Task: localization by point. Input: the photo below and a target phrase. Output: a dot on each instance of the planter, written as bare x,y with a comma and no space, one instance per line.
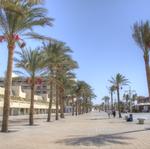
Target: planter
141,120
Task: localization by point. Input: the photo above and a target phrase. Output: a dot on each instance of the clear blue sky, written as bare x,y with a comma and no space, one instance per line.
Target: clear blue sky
100,34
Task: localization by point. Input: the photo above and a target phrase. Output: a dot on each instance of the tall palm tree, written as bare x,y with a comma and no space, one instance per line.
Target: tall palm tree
89,95
141,35
13,25
79,93
118,81
56,54
72,85
65,76
30,61
112,90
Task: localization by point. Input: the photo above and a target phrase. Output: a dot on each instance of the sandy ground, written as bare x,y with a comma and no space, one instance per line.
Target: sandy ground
89,131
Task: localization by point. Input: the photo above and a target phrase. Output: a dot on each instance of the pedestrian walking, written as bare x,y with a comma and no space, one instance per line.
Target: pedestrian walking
114,113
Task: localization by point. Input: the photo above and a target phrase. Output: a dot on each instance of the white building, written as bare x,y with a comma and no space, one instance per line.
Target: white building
20,97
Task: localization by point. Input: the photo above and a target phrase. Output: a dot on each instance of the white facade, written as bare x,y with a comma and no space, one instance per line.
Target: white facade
20,103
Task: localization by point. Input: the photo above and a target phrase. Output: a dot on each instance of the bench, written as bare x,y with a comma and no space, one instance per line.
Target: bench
141,120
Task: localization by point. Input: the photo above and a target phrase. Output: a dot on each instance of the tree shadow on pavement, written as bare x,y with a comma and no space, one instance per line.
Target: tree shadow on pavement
100,140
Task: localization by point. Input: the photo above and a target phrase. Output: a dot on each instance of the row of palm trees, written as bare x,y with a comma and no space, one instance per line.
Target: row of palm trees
54,64
52,61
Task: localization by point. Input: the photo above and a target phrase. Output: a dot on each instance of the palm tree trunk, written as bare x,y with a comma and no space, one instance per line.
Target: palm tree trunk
87,109
62,105
118,96
127,105
76,107
72,106
50,103
83,108
108,106
146,60
105,106
79,107
57,103
8,83
85,105
31,120
112,101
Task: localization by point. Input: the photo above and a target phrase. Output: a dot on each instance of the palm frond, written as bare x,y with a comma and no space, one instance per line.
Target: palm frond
33,35
30,61
20,17
141,34
119,80
19,72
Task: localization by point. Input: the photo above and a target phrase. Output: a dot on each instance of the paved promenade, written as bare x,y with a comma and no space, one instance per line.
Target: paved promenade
89,131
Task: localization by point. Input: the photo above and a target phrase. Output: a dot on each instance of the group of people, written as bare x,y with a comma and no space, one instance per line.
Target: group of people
111,112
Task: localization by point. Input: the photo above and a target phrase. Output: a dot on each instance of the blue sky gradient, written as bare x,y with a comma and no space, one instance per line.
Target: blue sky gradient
100,34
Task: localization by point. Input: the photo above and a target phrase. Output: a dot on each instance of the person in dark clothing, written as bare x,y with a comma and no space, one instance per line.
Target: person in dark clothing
130,118
114,113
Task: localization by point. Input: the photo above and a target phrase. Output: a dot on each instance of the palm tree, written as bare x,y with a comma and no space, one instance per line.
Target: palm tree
72,90
88,95
88,99
106,101
12,25
65,76
118,81
51,99
112,90
84,96
141,35
79,93
31,62
56,55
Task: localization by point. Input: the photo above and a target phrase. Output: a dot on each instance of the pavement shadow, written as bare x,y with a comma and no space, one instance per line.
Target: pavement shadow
100,140
11,131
